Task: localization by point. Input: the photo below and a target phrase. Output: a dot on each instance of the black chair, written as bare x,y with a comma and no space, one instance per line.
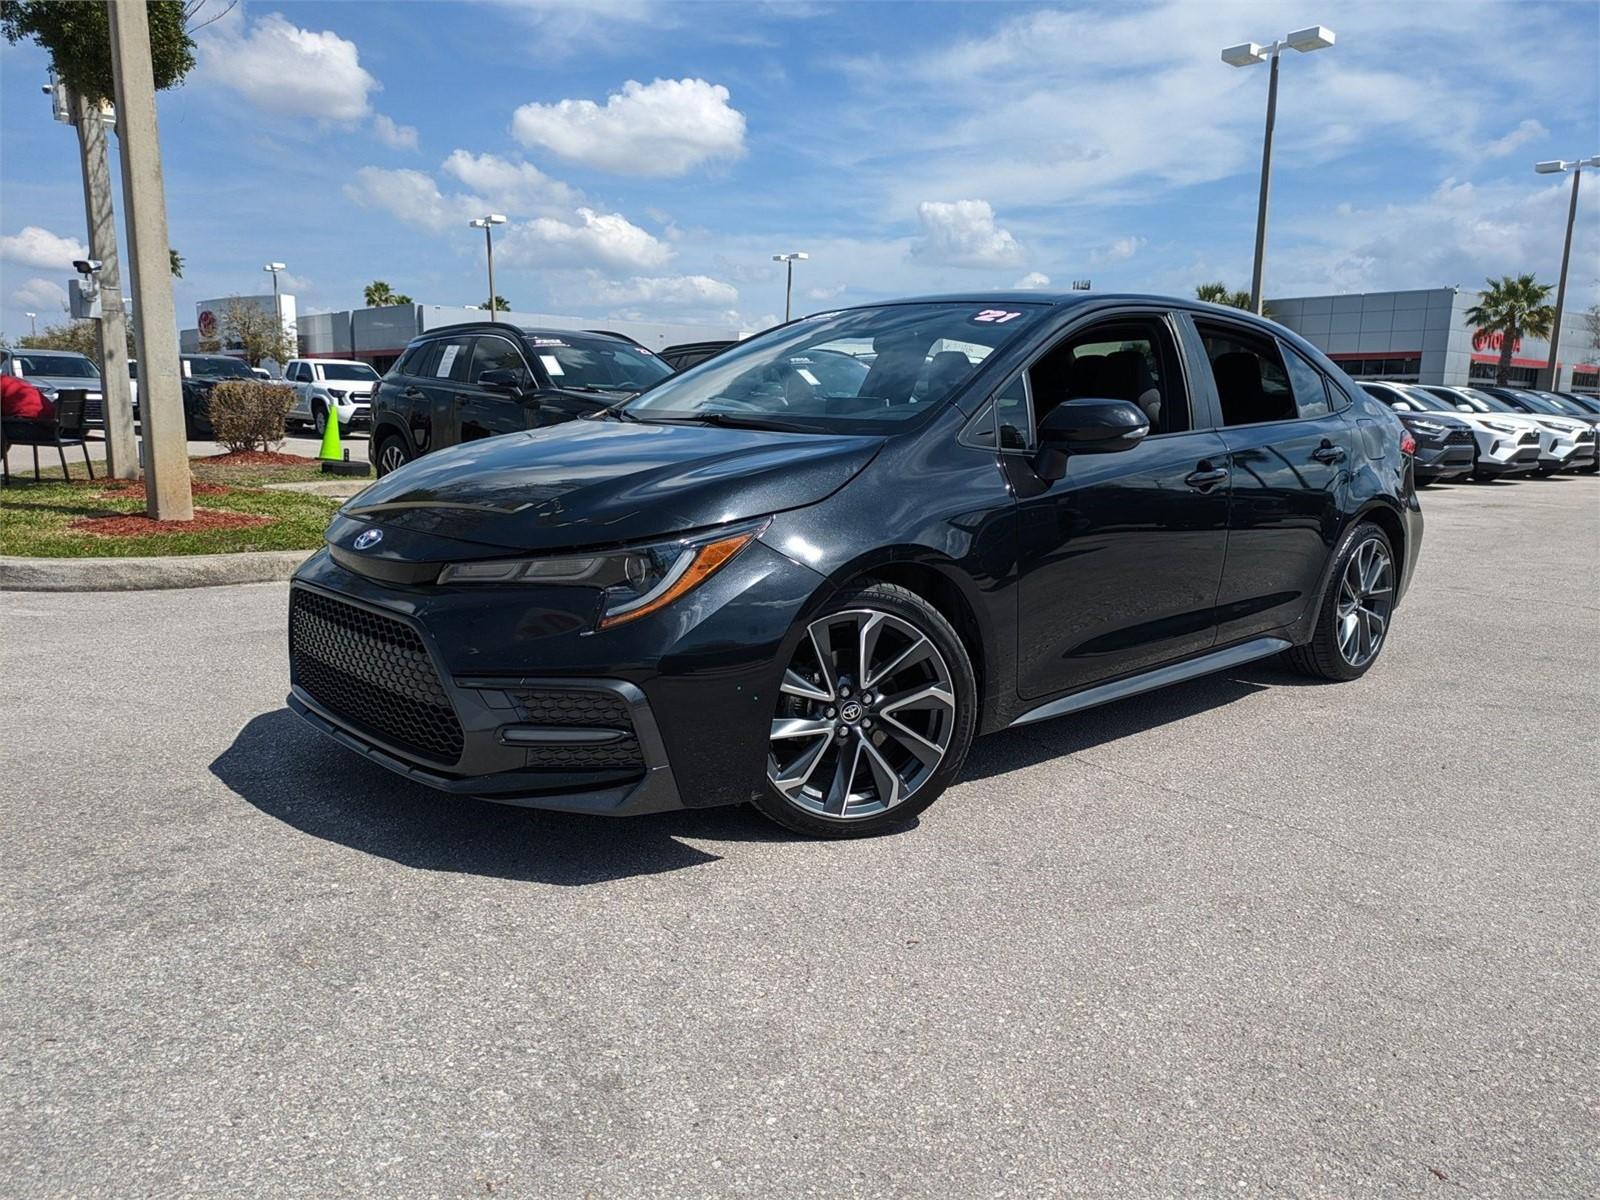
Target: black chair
63,430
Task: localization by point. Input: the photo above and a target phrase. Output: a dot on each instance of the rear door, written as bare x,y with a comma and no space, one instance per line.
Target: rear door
1289,461
482,412
1120,559
441,386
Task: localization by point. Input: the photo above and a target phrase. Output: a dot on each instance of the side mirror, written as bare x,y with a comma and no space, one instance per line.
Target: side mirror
1086,427
509,382
1465,408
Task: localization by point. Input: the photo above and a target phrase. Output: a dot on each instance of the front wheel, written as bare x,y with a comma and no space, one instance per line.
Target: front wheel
875,714
319,417
391,455
1357,606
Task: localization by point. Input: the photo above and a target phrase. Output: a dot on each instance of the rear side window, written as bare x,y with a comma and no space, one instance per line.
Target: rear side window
1310,388
1252,382
450,360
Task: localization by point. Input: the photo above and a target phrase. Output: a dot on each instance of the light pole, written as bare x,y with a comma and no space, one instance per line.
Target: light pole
788,290
277,305
1548,373
33,325
1247,54
487,224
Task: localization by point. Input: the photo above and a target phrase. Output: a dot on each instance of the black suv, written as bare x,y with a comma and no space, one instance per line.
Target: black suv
463,382
734,588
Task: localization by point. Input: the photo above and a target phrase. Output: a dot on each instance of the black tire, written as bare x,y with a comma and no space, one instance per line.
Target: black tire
390,447
906,610
1322,657
319,417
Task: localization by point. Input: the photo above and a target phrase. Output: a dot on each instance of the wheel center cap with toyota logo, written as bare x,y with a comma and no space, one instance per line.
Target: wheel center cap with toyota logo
367,539
851,712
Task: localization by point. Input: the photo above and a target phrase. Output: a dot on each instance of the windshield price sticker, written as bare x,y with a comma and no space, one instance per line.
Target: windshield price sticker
547,341
995,316
551,364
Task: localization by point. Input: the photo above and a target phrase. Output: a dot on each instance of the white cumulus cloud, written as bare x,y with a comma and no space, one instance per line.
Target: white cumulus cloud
396,137
1033,281
40,296
1121,248
283,69
1526,131
668,291
517,186
662,128
37,247
593,239
963,233
412,196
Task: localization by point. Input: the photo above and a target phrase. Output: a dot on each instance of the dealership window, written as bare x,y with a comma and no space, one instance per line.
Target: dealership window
1586,379
1526,377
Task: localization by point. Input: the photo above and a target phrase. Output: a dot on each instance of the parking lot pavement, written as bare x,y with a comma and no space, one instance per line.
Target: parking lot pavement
19,459
1246,936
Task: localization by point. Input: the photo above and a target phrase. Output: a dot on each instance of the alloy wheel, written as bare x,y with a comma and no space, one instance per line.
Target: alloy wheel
1366,600
866,715
391,457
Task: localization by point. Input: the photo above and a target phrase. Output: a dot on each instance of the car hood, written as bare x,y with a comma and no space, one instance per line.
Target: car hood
63,382
361,388
596,482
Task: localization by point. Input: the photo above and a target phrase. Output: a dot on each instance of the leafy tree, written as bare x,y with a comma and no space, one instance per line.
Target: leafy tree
1512,307
176,261
1591,322
78,37
80,336
255,330
498,303
1218,293
379,294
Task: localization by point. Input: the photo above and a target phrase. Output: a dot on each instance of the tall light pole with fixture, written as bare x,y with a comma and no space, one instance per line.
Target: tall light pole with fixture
277,305
1548,373
33,325
487,224
788,290
1247,54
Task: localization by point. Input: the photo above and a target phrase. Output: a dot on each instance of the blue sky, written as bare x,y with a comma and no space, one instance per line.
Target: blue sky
653,156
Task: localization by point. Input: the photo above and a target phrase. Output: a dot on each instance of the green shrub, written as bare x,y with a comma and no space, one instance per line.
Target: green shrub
248,415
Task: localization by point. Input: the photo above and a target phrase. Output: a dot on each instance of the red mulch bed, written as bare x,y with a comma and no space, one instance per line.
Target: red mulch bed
139,525
126,487
259,458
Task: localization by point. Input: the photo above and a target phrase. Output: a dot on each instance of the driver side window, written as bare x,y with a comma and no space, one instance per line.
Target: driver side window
496,354
1130,359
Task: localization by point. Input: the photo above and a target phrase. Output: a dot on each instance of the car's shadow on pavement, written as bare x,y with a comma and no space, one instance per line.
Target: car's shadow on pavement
291,772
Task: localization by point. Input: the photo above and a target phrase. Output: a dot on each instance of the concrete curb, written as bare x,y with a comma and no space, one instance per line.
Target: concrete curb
146,574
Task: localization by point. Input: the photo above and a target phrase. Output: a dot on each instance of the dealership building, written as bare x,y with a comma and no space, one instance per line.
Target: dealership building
1424,337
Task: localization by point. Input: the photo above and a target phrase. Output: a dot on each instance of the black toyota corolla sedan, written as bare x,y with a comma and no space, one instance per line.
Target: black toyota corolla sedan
811,589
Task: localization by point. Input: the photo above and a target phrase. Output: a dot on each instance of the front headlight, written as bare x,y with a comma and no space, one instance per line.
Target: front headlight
1500,426
1556,426
634,582
338,394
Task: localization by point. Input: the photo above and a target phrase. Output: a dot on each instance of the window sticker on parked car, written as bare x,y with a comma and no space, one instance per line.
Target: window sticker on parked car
995,316
551,364
447,360
547,341
807,376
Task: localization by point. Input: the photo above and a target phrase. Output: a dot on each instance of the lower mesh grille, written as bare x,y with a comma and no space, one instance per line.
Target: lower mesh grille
585,709
372,671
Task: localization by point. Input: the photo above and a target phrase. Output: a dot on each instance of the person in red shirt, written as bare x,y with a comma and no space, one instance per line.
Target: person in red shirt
21,401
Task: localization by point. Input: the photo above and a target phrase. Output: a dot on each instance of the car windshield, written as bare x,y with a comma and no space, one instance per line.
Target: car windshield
353,371
220,367
863,370
573,362
62,366
1483,402
1586,404
1428,401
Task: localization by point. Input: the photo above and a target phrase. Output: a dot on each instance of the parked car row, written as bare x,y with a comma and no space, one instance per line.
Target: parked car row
1493,432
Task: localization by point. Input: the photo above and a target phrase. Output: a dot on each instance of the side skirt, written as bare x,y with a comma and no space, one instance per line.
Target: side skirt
1121,689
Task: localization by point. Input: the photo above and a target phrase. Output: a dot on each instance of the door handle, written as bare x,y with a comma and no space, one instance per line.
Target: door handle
1328,453
1206,477
411,393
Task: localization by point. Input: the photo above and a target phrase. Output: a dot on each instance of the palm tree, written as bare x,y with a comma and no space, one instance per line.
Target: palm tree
1511,308
498,303
1218,293
379,294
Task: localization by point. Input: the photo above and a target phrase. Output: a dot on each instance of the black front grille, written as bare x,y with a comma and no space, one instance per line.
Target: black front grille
372,671
1528,439
573,707
1460,437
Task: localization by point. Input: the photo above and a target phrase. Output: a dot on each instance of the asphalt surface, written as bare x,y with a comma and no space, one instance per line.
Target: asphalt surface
1246,937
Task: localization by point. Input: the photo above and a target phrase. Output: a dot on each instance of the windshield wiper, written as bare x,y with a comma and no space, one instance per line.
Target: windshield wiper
726,420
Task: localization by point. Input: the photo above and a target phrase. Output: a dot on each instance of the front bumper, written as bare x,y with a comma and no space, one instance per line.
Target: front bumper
698,682
1443,460
354,415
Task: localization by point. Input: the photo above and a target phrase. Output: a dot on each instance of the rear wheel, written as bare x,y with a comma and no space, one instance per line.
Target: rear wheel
391,454
1353,621
876,712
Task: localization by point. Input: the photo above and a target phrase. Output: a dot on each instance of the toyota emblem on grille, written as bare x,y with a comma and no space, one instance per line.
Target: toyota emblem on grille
368,538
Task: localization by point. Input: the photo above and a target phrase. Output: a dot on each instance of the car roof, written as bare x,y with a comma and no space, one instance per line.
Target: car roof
30,350
530,331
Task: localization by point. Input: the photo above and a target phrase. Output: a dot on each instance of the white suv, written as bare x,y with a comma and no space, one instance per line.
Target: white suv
324,385
1564,442
1504,446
